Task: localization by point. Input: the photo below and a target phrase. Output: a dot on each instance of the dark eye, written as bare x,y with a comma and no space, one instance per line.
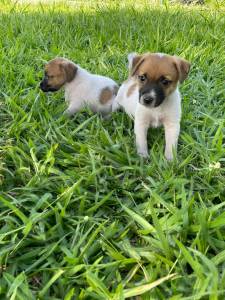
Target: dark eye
165,81
142,78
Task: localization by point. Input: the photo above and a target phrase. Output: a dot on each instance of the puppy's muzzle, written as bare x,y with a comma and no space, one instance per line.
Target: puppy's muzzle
46,88
43,86
147,99
151,95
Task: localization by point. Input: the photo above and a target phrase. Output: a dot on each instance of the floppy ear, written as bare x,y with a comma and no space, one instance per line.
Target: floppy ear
130,58
70,70
183,68
134,61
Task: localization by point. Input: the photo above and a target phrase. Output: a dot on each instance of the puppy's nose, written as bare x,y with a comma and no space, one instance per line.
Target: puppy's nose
43,86
147,99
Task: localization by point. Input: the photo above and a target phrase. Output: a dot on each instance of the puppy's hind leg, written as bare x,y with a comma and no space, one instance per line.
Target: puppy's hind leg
73,108
106,115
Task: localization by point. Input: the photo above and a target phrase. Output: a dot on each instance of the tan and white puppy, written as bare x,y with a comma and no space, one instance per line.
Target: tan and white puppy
151,96
81,87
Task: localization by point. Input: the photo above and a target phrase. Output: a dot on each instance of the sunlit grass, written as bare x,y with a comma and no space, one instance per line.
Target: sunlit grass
81,215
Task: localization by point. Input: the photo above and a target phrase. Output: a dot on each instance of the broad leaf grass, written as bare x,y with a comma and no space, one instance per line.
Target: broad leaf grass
81,215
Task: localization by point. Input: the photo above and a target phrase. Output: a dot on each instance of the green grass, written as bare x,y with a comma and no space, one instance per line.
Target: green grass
81,215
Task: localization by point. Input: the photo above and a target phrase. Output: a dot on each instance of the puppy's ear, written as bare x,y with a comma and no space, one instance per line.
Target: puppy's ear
134,61
183,68
70,70
130,58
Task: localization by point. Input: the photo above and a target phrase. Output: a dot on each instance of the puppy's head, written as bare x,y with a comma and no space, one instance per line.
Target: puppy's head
57,72
157,75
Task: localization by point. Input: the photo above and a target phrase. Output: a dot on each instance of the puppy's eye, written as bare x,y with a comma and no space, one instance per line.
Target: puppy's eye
165,81
142,78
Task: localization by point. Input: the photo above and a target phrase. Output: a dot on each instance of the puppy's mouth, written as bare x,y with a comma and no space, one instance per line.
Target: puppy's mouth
46,88
151,98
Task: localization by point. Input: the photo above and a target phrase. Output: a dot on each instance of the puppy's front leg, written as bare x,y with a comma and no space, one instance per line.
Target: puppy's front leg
141,129
172,130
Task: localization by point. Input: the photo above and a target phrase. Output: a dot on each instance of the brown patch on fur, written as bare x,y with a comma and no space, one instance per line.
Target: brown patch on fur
155,67
70,69
106,95
59,71
131,89
183,67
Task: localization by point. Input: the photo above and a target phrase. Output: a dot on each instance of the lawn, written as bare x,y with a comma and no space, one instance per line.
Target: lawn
81,215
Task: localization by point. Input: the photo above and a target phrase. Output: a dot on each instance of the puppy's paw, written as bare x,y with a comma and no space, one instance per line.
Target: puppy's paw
169,155
143,153
68,113
106,116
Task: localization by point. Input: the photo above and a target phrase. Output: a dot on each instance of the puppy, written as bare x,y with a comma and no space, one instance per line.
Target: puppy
151,96
81,87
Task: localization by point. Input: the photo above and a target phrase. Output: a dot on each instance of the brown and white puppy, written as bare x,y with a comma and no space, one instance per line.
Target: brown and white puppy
151,96
81,87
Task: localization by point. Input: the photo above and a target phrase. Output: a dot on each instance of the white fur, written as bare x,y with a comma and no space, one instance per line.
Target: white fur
152,94
160,54
167,114
130,59
85,89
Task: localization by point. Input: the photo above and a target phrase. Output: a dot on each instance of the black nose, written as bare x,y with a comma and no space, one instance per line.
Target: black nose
43,86
147,99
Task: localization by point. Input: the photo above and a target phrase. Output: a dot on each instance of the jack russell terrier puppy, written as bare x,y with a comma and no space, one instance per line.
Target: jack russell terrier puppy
81,87
151,96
